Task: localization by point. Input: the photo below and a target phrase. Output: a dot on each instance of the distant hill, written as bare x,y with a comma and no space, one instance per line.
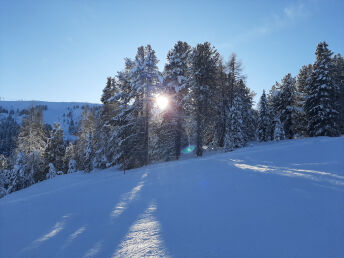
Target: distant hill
66,113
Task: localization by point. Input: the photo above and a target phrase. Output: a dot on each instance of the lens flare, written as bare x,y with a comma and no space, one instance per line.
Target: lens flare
161,102
188,149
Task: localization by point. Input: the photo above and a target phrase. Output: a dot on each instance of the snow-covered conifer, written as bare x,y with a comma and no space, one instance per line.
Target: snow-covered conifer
175,88
203,69
264,121
72,166
338,62
278,130
302,84
52,171
288,106
322,101
55,148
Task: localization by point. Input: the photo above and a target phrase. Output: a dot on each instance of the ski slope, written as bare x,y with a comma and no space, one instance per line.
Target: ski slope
281,199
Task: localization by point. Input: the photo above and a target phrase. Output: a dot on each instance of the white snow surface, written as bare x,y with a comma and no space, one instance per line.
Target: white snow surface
282,199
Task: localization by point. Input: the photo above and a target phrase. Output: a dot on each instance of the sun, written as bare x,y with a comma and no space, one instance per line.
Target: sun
161,101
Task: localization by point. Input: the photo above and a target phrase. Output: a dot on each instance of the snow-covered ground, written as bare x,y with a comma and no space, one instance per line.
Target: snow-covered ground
269,200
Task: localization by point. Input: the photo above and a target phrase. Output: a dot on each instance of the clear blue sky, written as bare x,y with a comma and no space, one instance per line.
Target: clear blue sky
64,50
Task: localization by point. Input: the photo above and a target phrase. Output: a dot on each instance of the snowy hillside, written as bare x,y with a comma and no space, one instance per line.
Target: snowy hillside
62,112
269,200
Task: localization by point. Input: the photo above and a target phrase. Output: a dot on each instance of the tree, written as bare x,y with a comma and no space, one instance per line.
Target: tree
3,176
204,60
69,155
264,122
9,130
287,106
23,172
302,84
89,153
235,130
176,88
109,90
87,128
52,171
338,63
144,80
223,103
72,166
278,130
55,148
32,141
322,104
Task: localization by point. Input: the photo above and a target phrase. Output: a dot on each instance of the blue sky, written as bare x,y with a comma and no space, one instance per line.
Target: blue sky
64,50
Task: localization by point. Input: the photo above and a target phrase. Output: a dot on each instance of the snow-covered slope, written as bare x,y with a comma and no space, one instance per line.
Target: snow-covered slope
62,112
269,200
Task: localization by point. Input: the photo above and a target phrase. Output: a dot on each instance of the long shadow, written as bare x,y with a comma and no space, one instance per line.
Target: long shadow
86,220
110,230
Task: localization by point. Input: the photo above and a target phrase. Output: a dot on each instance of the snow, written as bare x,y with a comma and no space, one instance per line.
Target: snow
283,199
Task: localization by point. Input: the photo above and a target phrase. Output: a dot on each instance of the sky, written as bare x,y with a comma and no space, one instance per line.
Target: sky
65,50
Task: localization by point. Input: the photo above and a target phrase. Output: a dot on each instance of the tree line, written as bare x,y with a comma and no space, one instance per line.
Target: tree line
210,107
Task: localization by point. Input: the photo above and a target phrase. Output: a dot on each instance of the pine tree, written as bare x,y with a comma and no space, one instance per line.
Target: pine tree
264,121
278,130
126,137
338,63
23,172
175,88
288,106
203,70
52,171
55,148
302,83
3,176
72,166
247,113
32,143
144,80
235,130
89,153
322,104
223,103
87,128
9,130
108,91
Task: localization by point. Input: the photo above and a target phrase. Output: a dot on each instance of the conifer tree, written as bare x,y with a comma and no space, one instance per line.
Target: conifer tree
68,157
287,107
223,103
278,130
55,148
51,172
338,62
302,83
235,130
144,80
89,153
32,141
9,130
203,69
264,121
176,89
322,104
87,128
3,176
128,135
